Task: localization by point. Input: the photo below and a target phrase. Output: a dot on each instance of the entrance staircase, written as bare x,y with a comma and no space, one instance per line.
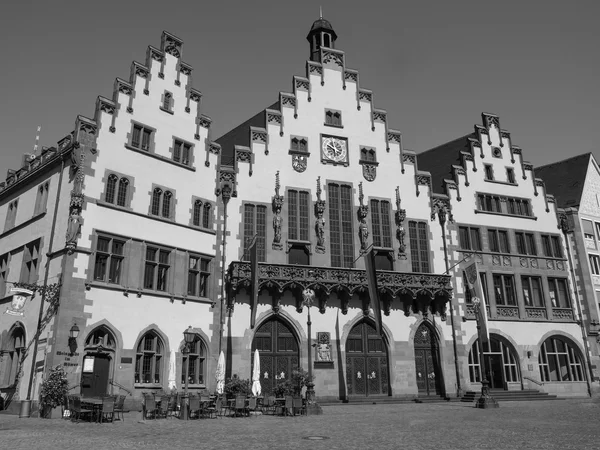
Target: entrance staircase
509,396
375,400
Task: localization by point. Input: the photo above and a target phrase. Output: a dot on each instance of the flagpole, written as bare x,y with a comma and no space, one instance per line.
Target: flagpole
486,400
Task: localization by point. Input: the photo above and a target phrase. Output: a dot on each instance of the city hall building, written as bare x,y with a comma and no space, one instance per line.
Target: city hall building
139,224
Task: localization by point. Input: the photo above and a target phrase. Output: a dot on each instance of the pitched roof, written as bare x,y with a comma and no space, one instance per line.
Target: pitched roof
439,160
565,179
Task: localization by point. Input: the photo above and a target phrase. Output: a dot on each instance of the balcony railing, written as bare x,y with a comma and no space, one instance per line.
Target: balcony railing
417,291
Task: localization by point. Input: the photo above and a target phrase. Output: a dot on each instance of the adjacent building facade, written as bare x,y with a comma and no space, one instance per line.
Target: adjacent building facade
138,225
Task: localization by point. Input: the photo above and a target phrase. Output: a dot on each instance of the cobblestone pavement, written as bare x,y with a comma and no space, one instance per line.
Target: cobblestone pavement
567,424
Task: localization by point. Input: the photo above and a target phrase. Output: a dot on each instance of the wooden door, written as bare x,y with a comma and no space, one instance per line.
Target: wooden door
94,383
427,361
366,362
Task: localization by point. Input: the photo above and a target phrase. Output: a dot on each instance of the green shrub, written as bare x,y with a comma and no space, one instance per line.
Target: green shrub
236,386
54,388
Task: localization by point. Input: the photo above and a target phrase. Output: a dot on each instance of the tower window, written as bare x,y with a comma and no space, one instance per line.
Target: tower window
333,118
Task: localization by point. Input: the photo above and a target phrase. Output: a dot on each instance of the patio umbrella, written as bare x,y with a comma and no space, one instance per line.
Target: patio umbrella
256,375
172,376
220,374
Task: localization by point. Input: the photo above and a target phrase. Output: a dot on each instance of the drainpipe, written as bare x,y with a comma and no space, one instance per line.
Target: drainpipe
46,275
442,218
225,196
564,226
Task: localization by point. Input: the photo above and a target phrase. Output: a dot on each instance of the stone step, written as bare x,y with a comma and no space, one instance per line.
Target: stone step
508,396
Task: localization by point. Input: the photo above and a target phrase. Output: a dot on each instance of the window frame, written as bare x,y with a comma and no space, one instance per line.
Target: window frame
201,282
41,200
594,261
157,207
250,227
341,221
419,254
4,272
157,354
199,368
27,274
110,258
527,283
299,144
554,293
495,242
167,101
574,369
488,172
333,118
510,175
526,243
502,298
11,215
142,128
470,233
178,151
158,265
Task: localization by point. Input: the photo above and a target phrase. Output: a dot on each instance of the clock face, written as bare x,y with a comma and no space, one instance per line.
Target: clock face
334,149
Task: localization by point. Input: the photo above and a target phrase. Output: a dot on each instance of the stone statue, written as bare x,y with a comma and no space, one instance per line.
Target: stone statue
73,227
323,352
363,234
320,231
277,221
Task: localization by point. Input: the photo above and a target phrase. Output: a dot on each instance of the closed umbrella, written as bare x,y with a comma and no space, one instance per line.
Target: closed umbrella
256,375
172,375
220,374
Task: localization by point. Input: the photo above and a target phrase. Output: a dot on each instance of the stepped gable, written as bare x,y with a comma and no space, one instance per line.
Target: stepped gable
245,133
566,179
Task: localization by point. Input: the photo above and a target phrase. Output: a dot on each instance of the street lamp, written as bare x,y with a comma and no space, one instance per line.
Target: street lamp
308,296
486,400
189,336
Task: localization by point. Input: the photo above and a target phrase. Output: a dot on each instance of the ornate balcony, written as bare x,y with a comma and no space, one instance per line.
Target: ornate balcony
415,292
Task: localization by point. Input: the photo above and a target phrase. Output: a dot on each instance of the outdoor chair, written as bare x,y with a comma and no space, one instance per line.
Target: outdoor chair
240,405
164,406
214,411
194,411
149,406
289,405
119,407
252,405
172,409
78,411
204,404
268,405
298,406
108,408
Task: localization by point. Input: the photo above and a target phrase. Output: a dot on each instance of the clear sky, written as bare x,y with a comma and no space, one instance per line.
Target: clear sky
433,65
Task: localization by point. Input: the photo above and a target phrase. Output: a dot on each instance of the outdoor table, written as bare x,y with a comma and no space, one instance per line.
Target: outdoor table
96,404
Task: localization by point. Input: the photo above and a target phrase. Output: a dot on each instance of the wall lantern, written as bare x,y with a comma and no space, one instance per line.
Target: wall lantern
74,332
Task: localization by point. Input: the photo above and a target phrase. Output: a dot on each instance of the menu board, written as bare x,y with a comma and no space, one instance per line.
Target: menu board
88,364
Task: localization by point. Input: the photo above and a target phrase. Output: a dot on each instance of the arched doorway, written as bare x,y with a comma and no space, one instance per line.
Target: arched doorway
278,349
500,362
100,348
427,361
366,362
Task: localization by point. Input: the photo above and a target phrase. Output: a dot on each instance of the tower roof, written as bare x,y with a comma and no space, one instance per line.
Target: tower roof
321,25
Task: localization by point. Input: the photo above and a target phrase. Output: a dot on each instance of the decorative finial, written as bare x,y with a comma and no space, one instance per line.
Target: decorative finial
360,194
320,12
277,186
398,197
319,188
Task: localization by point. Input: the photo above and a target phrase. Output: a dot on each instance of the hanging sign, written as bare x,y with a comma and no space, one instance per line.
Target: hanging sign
19,299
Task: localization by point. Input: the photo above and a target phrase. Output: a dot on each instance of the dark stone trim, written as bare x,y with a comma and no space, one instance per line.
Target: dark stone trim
477,211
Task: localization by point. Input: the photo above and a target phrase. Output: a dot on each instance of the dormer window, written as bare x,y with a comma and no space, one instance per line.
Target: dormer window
333,118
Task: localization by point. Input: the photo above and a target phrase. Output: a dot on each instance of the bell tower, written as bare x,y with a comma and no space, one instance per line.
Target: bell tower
320,35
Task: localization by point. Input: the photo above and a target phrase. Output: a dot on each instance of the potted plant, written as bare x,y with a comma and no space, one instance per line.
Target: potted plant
236,386
53,390
294,385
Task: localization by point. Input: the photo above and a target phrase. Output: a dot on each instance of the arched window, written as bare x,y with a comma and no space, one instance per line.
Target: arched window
149,358
206,215
197,368
560,360
156,201
13,354
101,337
122,194
166,207
197,212
501,365
111,184
167,100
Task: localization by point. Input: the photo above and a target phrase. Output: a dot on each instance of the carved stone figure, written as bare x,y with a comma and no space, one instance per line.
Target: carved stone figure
320,231
363,234
277,221
323,352
73,228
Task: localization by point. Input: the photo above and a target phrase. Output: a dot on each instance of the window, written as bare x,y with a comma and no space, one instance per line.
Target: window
333,118
367,154
198,273
156,269
167,101
298,254
518,207
116,189
380,220
101,337
595,264
504,290
489,171
489,203
148,361
552,246
11,364
470,238
41,200
341,238
197,363
525,243
11,215
588,229
560,360
498,240
182,152
298,144
559,296
3,274
206,215
109,258
255,223
419,250
596,223
31,255
532,291
141,137
510,175
161,203
197,213
298,215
